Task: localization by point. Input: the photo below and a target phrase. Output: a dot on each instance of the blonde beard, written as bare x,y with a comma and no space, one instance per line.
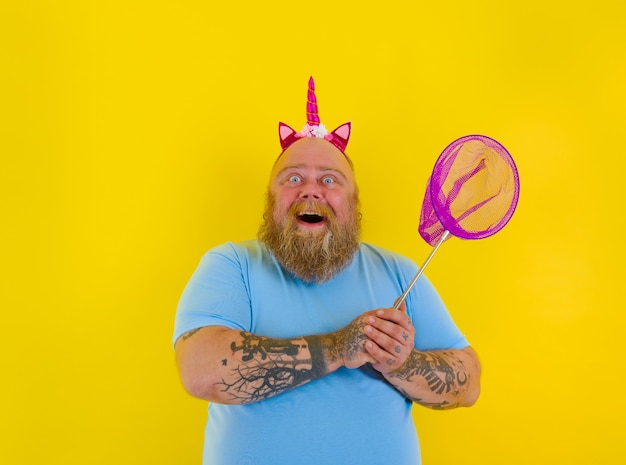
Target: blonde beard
313,256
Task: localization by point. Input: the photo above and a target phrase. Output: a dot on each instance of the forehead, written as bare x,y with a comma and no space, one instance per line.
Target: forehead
314,154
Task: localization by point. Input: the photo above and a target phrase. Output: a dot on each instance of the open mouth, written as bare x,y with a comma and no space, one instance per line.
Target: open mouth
310,218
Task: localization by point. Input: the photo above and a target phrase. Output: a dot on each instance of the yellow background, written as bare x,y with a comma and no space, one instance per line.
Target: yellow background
135,135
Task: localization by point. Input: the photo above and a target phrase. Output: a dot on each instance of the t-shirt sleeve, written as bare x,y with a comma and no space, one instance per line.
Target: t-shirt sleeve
434,326
216,294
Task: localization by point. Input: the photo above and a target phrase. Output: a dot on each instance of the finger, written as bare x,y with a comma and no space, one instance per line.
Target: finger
403,334
395,317
391,345
383,360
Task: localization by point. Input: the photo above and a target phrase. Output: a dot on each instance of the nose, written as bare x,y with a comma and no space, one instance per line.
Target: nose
310,191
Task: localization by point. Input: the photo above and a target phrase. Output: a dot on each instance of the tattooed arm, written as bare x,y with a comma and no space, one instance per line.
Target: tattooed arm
438,379
236,367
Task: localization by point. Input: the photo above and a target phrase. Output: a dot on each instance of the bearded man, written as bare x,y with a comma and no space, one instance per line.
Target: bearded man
291,337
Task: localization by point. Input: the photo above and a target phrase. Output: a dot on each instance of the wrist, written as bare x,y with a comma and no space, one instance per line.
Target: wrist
325,357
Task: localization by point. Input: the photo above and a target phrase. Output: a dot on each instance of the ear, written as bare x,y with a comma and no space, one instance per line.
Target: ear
341,135
286,135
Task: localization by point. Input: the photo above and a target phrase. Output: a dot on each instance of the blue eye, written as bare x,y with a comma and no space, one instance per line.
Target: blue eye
328,180
295,178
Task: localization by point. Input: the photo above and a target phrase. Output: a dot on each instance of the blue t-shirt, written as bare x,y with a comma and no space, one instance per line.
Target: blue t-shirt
351,416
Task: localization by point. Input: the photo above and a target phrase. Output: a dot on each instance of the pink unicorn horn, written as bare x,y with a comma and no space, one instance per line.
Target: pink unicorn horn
312,118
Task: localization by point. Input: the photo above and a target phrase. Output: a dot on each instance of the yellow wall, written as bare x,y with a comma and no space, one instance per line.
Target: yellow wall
134,135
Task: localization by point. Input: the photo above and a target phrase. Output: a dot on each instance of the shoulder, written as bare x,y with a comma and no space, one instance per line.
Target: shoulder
245,257
240,251
375,253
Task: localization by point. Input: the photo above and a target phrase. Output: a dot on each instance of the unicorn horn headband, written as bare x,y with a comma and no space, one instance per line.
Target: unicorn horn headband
313,128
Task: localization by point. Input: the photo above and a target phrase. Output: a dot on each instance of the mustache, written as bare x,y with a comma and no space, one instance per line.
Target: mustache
299,209
316,208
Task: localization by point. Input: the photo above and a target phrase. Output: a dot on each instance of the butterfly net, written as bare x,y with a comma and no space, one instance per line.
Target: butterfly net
472,192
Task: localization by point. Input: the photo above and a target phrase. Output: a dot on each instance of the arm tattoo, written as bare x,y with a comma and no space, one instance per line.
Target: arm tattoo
444,373
351,338
270,366
253,345
443,405
188,334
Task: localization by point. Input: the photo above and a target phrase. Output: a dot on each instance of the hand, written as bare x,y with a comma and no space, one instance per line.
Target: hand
390,336
348,344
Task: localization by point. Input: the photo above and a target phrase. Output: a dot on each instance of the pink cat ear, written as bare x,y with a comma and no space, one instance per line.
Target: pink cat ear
340,136
286,134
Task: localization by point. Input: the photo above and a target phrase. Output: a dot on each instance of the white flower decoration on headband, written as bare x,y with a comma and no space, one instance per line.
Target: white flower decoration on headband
313,131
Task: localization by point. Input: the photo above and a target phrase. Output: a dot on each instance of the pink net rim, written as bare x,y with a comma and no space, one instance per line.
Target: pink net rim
440,172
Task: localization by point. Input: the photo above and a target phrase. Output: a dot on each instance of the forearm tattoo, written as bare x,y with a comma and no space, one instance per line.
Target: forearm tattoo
266,367
444,373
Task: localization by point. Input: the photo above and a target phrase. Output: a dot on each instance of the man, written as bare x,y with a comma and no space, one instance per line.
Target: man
291,337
